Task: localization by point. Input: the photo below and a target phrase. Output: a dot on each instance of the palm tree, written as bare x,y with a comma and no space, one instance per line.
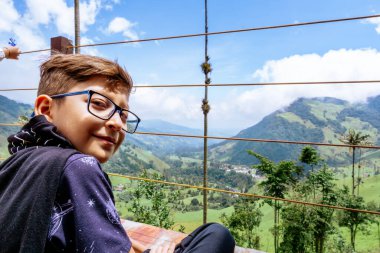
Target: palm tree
355,139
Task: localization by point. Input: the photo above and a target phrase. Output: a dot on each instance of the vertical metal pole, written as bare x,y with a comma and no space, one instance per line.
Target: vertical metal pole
205,108
77,26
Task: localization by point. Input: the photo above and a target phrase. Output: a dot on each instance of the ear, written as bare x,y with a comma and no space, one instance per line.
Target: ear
43,106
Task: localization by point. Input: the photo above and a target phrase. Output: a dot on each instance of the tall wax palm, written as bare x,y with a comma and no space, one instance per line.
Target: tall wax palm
354,138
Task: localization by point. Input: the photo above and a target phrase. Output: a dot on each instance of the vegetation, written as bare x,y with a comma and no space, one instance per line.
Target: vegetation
355,138
244,222
316,120
279,178
158,211
354,221
306,228
298,228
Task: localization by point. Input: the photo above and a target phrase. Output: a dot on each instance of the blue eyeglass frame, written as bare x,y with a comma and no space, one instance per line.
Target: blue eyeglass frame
118,109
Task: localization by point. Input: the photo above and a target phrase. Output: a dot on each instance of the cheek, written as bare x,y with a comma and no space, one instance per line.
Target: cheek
122,136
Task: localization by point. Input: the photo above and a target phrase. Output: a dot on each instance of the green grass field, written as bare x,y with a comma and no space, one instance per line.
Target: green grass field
366,241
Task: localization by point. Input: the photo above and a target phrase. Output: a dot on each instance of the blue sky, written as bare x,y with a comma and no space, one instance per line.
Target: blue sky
339,51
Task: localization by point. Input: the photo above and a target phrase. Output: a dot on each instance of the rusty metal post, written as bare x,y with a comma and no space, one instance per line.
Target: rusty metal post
61,45
77,26
206,68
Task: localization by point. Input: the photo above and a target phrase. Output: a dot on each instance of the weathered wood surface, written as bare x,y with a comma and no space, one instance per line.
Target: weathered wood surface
149,235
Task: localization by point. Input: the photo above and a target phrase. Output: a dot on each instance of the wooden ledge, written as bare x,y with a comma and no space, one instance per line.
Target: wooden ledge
149,235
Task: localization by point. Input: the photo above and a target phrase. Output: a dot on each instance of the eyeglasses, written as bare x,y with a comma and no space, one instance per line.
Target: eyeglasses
104,108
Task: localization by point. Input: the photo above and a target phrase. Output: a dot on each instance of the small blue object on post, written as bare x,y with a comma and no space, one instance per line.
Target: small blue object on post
12,42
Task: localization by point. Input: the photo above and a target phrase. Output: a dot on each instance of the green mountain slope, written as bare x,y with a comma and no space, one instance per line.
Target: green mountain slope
313,120
10,111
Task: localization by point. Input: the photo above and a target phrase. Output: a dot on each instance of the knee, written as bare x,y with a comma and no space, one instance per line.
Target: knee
221,234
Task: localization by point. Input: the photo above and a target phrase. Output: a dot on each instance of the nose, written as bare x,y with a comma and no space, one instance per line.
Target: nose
115,122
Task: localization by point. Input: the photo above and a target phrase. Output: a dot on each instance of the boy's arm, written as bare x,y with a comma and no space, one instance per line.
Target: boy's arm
93,222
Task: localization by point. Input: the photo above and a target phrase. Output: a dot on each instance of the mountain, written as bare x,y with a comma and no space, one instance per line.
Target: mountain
164,145
314,120
137,151
10,111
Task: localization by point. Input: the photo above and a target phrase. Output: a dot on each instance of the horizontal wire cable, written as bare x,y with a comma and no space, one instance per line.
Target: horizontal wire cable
220,32
256,84
230,31
241,139
233,84
18,89
35,51
260,140
244,194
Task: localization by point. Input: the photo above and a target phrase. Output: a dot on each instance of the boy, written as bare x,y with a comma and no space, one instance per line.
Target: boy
54,197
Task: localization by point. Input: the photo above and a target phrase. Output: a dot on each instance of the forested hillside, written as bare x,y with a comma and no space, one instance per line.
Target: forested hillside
313,120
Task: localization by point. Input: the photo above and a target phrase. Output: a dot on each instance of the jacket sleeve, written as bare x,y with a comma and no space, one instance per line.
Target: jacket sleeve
92,223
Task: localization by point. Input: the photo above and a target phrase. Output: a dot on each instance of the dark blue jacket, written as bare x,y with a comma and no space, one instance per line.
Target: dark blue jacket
53,199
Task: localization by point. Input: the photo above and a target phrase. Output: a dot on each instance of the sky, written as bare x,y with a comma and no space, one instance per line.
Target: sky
326,52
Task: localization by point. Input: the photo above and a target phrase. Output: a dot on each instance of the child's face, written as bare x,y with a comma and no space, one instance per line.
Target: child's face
89,134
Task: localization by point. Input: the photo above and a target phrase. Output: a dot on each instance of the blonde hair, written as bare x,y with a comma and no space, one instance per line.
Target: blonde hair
61,72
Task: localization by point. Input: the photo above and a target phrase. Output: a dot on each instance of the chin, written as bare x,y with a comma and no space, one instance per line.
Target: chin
102,159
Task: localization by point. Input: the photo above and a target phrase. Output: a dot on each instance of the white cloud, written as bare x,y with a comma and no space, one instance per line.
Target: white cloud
375,21
8,15
57,11
108,7
89,50
29,39
88,12
20,74
124,26
26,27
13,24
251,106
156,103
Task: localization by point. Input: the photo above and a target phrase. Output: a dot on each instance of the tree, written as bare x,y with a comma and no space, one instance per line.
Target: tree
297,227
157,211
354,221
323,182
244,222
305,228
309,156
195,202
354,138
375,219
279,177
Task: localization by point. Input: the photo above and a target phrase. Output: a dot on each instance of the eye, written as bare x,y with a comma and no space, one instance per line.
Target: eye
99,103
124,116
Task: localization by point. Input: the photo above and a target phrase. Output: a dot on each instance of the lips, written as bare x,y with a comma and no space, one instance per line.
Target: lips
107,138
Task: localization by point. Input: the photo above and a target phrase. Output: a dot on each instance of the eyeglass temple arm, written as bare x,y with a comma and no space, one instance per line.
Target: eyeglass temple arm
70,94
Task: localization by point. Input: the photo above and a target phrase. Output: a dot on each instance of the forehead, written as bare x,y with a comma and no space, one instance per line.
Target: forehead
119,95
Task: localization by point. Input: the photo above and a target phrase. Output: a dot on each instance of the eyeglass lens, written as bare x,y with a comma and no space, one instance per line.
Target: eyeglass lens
104,108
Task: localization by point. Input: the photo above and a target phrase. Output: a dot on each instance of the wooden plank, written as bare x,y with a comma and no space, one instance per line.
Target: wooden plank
150,236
